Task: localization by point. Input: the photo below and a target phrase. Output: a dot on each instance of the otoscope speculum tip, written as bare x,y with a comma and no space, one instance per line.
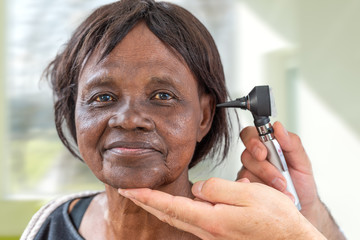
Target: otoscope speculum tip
238,103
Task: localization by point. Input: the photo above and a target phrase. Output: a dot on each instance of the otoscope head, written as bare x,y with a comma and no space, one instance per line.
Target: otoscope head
259,102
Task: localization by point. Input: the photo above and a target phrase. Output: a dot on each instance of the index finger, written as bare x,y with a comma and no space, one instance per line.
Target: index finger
249,136
248,133
175,207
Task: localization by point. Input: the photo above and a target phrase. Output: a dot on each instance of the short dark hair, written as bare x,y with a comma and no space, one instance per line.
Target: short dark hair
173,25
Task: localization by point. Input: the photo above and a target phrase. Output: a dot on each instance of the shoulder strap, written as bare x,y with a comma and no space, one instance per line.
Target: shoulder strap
40,217
78,211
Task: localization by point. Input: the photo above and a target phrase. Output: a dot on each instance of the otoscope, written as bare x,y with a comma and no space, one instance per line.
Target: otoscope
261,104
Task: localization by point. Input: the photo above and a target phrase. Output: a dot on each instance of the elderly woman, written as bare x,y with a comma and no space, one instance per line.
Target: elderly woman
136,88
135,93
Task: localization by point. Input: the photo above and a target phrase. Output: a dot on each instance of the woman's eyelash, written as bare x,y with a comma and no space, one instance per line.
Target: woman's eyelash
102,98
106,98
163,96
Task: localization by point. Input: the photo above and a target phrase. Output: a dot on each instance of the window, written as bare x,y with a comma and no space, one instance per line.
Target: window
36,163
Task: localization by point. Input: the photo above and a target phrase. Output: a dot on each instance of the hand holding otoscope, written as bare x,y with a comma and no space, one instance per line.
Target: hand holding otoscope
261,104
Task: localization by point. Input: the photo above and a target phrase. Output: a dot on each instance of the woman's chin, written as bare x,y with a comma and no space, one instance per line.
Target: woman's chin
130,185
151,181
153,177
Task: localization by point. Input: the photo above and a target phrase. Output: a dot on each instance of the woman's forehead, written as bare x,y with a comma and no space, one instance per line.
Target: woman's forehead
140,49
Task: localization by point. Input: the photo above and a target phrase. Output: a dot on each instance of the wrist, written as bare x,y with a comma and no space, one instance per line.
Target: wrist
320,217
305,230
311,232
315,213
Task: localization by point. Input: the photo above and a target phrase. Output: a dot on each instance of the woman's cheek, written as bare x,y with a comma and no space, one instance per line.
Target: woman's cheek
181,135
89,128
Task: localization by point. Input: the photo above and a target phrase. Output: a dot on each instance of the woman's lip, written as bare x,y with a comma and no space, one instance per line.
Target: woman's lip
132,157
131,147
131,151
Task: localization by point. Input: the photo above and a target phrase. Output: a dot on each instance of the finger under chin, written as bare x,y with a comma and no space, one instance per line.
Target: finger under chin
174,220
181,208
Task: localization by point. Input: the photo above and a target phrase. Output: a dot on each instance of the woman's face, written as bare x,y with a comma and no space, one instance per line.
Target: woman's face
139,114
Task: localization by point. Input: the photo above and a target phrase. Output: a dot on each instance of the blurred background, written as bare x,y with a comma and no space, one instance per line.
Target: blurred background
308,51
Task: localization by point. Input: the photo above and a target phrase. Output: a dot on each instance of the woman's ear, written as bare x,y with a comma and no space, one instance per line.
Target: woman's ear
207,106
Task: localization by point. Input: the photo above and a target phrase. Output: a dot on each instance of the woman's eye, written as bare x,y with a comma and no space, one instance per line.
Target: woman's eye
163,96
104,98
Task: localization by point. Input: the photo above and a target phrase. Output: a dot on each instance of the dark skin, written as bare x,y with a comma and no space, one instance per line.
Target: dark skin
138,118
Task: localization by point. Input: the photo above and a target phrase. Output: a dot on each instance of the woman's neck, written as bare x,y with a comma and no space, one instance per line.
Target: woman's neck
116,217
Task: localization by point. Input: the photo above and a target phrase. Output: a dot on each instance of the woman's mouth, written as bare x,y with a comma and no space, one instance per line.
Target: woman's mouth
132,153
131,147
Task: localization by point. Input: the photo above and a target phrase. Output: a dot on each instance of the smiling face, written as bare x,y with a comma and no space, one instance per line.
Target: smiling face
139,114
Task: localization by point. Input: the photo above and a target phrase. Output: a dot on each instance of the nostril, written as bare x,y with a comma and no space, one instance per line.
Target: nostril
147,124
131,121
142,129
112,122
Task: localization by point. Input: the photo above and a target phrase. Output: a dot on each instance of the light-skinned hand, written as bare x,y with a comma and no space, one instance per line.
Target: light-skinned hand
257,169
228,210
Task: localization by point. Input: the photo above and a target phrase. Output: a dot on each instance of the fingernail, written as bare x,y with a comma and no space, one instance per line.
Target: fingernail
198,187
256,152
290,196
126,193
244,180
279,184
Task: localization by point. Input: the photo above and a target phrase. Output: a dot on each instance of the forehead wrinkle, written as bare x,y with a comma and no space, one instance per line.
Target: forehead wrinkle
99,81
138,52
97,76
129,56
113,68
157,65
130,51
165,80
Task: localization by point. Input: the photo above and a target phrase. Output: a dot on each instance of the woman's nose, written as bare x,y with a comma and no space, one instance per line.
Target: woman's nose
130,118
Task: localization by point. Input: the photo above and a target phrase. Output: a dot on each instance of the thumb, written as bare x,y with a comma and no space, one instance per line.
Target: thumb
217,190
292,147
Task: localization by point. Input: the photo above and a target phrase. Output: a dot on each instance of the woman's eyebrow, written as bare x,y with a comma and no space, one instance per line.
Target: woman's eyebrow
163,81
98,81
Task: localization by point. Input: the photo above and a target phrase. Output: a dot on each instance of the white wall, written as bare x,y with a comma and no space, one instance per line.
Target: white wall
328,103
319,101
